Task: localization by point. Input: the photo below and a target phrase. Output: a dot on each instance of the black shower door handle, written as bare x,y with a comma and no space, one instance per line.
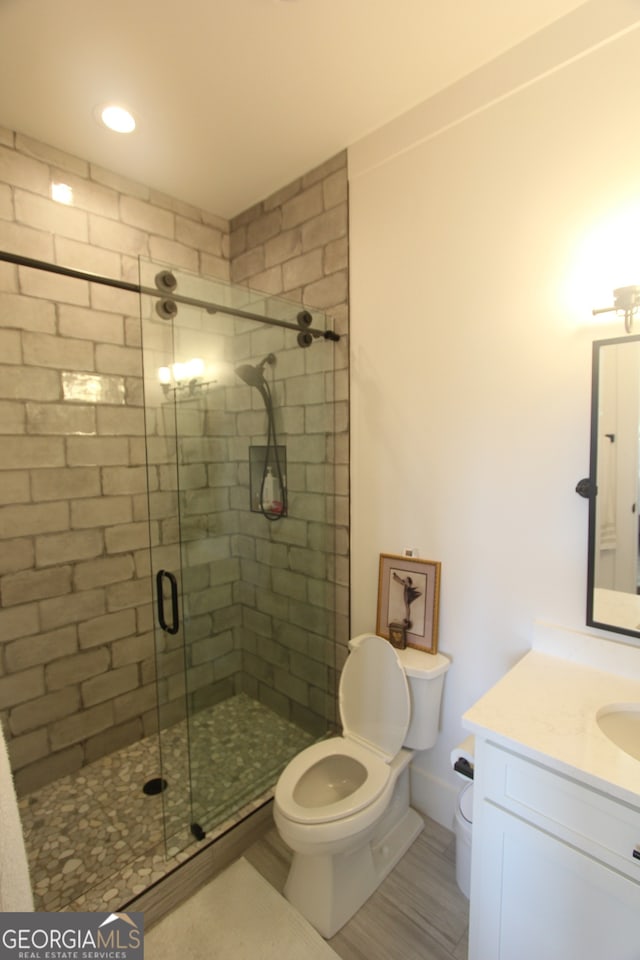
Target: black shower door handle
175,624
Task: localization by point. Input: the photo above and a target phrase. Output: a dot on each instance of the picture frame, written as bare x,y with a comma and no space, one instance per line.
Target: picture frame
409,593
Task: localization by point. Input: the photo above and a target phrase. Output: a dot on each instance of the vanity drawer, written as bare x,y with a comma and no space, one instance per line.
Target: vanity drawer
589,820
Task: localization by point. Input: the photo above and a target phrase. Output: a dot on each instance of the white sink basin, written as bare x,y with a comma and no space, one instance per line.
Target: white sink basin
620,722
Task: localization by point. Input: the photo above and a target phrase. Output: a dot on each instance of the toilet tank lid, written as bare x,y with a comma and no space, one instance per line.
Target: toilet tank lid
419,663
415,663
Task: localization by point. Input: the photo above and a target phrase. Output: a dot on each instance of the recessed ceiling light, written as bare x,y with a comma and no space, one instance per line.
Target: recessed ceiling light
117,118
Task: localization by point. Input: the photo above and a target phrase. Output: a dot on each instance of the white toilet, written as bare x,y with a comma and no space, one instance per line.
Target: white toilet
342,805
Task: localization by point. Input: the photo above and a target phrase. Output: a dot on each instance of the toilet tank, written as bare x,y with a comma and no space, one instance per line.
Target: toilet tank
425,675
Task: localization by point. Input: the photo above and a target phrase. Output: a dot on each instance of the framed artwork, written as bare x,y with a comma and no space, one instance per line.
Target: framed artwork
409,598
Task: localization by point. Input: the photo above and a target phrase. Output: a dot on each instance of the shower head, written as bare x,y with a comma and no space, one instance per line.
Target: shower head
254,376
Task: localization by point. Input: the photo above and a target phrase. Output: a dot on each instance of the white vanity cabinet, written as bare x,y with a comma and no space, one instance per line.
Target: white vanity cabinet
554,875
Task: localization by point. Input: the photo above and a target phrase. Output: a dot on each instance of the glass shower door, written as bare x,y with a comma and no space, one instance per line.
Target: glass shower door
239,424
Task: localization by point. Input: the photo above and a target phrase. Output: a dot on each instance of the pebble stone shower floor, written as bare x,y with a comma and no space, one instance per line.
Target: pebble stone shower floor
94,839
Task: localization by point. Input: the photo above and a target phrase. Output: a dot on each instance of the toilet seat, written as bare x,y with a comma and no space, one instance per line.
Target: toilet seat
376,772
375,710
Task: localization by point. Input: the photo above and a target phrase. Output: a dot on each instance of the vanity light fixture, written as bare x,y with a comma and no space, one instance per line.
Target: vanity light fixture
184,376
626,301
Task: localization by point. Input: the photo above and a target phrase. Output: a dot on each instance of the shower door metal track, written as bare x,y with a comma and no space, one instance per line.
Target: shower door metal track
304,317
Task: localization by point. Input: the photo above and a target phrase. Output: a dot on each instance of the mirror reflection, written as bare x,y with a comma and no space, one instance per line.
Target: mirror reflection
613,594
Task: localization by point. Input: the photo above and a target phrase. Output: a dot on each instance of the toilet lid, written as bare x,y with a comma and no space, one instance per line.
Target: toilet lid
374,697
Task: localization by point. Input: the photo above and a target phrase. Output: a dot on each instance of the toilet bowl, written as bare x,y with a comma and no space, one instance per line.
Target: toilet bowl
342,805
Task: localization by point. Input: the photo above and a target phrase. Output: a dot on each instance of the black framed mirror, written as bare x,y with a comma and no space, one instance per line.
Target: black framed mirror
613,579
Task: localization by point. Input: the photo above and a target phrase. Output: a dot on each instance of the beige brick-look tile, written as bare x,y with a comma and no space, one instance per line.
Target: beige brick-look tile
101,451
25,313
58,352
18,383
111,300
133,649
44,214
216,267
109,685
90,196
247,264
116,422
10,346
36,283
14,486
129,536
67,671
111,235
80,726
65,547
51,155
72,608
84,256
59,418
202,236
327,292
302,207
21,171
23,519
40,649
115,359
133,704
100,512
20,687
118,183
107,628
19,622
146,216
8,280
83,324
129,594
336,257
283,247
303,269
27,748
34,585
264,227
12,417
65,483
16,555
6,202
44,771
26,241
325,228
170,251
335,189
100,572
112,738
43,710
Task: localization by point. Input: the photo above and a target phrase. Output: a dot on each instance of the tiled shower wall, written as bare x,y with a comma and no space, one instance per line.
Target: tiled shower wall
295,244
77,671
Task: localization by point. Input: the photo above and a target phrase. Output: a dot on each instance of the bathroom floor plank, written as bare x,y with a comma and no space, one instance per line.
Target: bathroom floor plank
417,913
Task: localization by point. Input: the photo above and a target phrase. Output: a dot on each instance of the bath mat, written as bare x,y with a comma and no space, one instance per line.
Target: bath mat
238,916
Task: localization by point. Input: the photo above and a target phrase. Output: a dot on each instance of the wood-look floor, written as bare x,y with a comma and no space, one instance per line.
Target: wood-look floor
417,913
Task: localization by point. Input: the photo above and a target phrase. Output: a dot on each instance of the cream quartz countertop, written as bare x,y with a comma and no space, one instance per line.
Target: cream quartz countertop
545,709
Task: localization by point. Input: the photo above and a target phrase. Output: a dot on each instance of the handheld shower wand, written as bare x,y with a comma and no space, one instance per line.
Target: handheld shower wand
254,376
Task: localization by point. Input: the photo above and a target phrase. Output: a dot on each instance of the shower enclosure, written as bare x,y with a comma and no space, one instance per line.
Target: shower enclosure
236,580
239,431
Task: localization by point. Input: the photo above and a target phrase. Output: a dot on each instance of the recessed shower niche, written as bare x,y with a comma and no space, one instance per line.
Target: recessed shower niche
268,480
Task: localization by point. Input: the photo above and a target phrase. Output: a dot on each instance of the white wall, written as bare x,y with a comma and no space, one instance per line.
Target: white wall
477,252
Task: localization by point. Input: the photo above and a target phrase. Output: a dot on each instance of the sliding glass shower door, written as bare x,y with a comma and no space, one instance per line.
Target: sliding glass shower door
239,440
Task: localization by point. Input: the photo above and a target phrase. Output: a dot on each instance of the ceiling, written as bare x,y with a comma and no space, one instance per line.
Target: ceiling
236,98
